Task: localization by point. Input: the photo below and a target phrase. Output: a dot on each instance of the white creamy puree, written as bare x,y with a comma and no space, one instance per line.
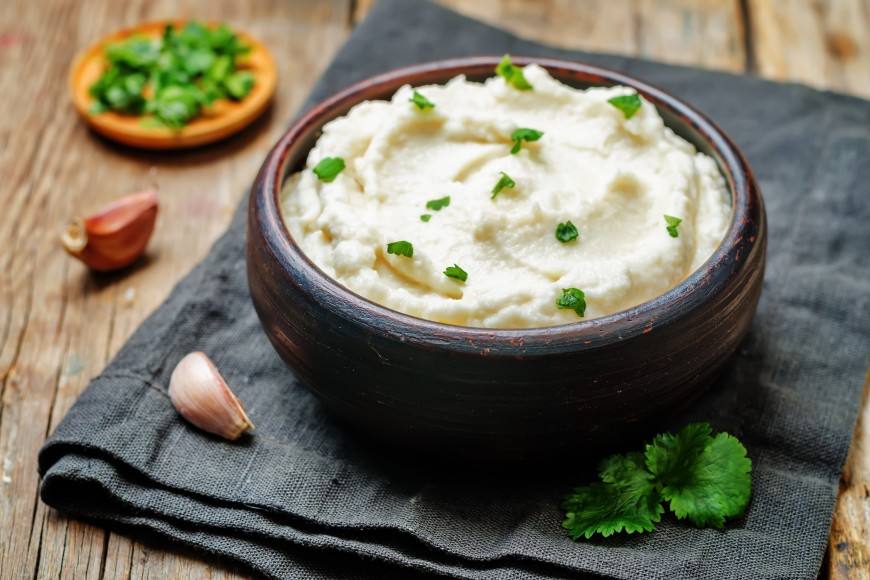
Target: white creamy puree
612,177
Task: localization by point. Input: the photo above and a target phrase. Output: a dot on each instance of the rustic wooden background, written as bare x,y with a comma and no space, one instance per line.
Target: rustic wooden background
59,325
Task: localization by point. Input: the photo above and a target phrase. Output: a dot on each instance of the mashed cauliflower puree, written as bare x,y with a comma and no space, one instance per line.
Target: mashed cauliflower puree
614,178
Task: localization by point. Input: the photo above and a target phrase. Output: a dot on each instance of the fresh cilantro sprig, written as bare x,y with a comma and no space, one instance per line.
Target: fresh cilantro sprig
401,248
438,204
421,102
425,217
527,135
566,232
701,477
504,182
572,299
672,222
455,271
328,168
628,104
171,78
512,74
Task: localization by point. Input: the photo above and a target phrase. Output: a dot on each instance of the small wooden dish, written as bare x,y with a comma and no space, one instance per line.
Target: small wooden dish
222,119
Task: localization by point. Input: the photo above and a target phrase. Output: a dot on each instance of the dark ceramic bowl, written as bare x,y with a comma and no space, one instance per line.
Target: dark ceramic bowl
498,395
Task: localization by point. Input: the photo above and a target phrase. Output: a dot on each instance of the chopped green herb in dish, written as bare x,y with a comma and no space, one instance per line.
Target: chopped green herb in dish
328,168
173,77
673,222
504,182
401,248
438,204
455,271
701,477
573,299
520,135
512,74
425,217
628,104
421,102
566,232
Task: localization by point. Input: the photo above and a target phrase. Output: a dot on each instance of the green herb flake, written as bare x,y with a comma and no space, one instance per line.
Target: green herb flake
703,478
572,299
566,232
455,271
438,204
672,222
421,102
328,168
504,182
512,74
425,217
628,104
401,248
520,135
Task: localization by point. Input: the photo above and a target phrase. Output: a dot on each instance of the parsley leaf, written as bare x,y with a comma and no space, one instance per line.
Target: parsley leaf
425,217
438,204
455,271
401,248
628,104
504,181
566,232
527,135
574,299
421,102
512,74
328,168
625,500
672,222
703,478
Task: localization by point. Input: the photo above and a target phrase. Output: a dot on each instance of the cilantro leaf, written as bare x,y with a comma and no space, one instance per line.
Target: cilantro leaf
573,299
512,74
672,222
455,271
706,478
628,104
566,232
421,102
328,168
527,135
401,248
625,500
503,182
239,84
425,217
438,204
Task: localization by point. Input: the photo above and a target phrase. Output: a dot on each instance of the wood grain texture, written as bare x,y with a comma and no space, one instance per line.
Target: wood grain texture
59,326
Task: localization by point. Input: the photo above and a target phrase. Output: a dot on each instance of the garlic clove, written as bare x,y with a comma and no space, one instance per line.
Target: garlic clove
116,235
200,395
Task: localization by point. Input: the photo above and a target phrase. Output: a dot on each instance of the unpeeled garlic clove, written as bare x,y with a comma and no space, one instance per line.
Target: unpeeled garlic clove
200,395
114,236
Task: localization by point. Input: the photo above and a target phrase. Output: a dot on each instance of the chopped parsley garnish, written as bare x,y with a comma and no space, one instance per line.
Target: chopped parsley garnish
573,299
421,102
512,74
673,222
503,182
171,78
566,232
628,104
438,204
455,271
527,135
425,217
401,248
701,477
328,168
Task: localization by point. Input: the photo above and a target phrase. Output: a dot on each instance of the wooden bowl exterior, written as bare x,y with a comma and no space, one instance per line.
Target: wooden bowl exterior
496,395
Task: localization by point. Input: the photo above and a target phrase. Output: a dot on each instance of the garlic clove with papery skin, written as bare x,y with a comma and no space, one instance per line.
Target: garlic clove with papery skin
114,236
200,395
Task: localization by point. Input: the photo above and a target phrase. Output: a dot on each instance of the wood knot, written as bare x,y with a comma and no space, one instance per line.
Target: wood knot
842,46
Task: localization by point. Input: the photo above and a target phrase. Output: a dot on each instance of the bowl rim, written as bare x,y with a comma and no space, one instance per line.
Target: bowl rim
747,208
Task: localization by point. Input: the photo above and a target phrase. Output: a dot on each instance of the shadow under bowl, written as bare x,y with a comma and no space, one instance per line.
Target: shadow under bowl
497,396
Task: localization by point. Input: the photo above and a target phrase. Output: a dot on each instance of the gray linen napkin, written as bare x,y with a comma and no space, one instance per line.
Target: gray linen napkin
302,498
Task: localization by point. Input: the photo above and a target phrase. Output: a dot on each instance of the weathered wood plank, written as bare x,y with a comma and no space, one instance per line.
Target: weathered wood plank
824,43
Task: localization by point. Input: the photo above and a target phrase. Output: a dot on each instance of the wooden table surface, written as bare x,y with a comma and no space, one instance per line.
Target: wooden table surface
60,325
